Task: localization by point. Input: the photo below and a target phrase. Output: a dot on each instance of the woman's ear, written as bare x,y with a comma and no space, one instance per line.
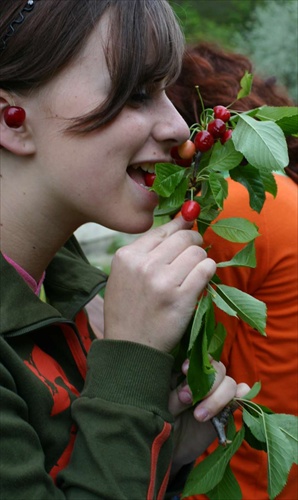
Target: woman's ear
17,139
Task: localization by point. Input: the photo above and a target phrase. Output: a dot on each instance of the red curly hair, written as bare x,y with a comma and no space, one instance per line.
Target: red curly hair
218,74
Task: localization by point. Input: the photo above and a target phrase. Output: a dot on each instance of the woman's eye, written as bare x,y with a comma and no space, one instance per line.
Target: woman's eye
139,97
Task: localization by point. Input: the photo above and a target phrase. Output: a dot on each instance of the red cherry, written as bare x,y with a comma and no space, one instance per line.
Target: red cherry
203,141
14,116
174,153
222,112
149,178
226,136
184,163
190,210
186,150
178,160
217,128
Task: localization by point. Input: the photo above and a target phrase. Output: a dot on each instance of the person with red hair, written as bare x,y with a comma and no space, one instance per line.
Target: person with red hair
248,356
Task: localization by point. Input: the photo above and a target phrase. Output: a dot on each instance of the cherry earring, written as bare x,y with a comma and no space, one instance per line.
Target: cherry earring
14,116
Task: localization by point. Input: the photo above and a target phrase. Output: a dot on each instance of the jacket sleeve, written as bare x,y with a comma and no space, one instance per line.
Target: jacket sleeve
123,447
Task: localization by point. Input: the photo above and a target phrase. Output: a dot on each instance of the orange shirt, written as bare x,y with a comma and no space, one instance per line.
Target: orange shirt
248,356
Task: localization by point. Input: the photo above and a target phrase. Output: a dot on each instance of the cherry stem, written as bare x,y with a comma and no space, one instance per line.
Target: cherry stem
200,97
197,163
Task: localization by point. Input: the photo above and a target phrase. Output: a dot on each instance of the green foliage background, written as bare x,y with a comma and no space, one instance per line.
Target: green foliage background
264,30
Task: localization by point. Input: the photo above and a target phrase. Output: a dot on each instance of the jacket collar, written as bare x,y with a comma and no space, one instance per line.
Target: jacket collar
69,284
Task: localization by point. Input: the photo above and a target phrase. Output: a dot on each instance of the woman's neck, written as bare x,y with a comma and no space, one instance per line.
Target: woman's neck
33,224
31,239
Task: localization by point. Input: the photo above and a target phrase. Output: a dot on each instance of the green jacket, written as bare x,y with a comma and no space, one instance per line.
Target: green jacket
107,435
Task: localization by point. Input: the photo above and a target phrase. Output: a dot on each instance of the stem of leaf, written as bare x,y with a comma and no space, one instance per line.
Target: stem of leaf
250,404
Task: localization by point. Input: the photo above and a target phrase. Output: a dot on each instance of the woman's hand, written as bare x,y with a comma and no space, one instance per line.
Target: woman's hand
154,286
96,317
193,430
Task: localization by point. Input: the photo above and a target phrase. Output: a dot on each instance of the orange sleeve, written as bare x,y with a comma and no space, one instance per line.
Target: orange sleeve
248,356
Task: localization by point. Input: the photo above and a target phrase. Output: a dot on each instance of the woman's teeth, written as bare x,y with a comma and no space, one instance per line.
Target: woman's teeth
147,167
139,173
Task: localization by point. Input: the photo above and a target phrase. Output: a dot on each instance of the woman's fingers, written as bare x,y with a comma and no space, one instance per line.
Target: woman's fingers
152,240
222,392
242,390
180,399
163,271
216,401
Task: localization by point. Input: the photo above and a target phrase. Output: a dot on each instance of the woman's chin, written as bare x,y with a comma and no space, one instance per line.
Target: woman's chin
136,224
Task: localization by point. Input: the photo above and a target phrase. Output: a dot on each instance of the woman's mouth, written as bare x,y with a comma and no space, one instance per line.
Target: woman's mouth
138,173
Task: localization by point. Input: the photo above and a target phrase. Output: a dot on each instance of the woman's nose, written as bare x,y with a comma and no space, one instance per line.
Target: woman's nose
170,127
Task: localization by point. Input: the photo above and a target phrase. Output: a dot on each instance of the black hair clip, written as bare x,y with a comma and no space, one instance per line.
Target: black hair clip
19,19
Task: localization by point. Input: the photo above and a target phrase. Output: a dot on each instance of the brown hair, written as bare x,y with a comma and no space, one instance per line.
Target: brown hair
55,31
218,74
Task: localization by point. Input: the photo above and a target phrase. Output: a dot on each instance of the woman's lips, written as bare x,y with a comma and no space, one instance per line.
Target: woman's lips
137,174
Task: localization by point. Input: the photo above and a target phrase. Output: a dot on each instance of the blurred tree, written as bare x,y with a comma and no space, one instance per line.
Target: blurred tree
264,30
270,39
214,20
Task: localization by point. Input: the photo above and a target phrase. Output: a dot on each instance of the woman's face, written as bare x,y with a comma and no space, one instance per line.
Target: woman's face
99,176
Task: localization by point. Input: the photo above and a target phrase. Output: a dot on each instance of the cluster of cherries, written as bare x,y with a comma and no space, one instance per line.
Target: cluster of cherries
202,142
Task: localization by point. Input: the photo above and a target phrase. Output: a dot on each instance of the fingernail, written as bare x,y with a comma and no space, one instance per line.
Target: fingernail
201,414
185,366
185,397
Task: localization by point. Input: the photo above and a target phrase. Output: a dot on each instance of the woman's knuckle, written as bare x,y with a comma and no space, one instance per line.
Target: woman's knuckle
232,383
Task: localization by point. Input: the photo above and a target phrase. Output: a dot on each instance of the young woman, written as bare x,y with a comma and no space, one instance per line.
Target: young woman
247,355
84,115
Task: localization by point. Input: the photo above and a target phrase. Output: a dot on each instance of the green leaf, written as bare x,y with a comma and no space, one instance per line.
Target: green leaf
253,441
208,473
203,305
236,229
221,303
254,391
217,341
279,456
245,83
209,207
245,257
223,157
208,213
255,423
219,188
173,203
288,424
269,182
261,142
179,352
227,488
201,374
249,177
168,177
286,117
210,322
248,308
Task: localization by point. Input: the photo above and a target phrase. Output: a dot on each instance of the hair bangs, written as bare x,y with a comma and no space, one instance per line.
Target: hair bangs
145,46
164,47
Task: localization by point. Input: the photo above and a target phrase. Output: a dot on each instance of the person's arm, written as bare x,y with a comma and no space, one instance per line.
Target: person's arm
124,443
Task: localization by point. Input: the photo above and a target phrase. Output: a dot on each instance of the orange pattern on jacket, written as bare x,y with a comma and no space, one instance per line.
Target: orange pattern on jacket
248,356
